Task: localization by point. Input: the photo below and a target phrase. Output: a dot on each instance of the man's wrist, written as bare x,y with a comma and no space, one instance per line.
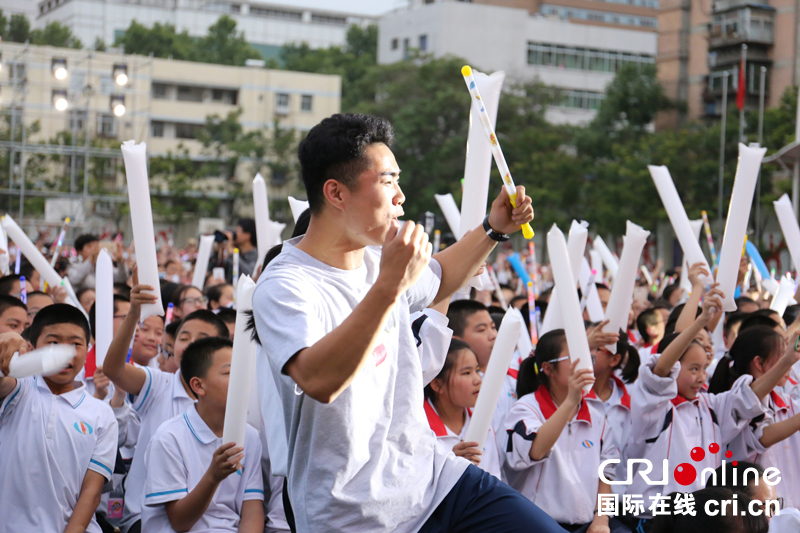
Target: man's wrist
386,291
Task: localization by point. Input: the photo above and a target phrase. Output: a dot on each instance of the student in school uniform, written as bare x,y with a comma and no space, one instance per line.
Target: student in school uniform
158,396
650,324
449,400
195,482
670,416
13,314
771,440
57,443
557,440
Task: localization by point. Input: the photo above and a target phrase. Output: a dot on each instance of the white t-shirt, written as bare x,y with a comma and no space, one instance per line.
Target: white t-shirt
162,397
47,443
178,456
368,460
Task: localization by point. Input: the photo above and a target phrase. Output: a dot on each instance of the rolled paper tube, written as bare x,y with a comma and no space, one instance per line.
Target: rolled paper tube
783,296
610,262
276,232
524,344
253,406
686,285
67,286
23,290
621,299
297,207
451,213
533,267
201,264
261,208
437,241
242,367
576,245
26,247
496,370
170,313
577,342
747,276
17,260
58,243
532,315
597,264
589,278
516,263
104,306
5,257
479,154
791,231
586,289
235,277
709,238
730,254
497,152
677,217
135,158
497,290
646,274
44,361
758,262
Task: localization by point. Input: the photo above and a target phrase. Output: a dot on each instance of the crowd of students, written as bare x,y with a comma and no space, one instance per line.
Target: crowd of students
369,365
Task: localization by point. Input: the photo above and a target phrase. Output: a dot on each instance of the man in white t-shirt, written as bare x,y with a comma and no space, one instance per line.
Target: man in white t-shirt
332,313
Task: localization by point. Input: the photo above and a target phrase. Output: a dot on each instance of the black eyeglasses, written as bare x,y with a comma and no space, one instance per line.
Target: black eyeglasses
194,301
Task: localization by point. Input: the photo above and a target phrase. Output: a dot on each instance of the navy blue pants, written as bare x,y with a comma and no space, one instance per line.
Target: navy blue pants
481,502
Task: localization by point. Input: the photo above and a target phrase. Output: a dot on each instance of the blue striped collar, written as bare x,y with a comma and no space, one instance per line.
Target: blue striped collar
74,397
198,427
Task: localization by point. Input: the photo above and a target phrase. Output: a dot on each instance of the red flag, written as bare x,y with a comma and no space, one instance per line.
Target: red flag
740,92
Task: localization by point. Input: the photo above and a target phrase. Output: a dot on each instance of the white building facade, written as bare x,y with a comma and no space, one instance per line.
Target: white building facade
580,59
267,26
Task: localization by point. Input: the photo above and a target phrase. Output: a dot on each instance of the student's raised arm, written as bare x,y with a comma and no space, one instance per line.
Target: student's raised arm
10,343
763,385
675,350
87,503
689,312
460,261
124,376
548,434
327,368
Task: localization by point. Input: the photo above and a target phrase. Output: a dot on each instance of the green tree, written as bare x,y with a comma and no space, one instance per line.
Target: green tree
3,26
55,34
161,40
99,45
224,45
19,29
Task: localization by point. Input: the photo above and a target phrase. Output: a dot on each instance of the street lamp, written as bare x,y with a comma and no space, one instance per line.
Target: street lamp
120,73
60,99
59,67
118,104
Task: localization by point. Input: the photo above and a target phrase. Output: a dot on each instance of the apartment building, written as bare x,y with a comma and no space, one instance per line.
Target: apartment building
578,57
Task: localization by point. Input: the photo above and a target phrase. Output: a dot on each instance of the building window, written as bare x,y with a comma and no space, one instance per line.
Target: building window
276,13
306,102
106,125
327,19
77,119
157,128
597,16
423,42
582,100
406,46
225,96
186,131
282,100
395,44
16,71
188,93
579,58
160,91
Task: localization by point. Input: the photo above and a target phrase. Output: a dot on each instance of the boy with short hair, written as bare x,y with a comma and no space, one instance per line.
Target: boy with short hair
195,482
52,423
37,300
13,315
158,396
650,324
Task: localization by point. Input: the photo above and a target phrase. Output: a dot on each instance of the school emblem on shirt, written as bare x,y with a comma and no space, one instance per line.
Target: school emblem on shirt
587,444
379,354
83,427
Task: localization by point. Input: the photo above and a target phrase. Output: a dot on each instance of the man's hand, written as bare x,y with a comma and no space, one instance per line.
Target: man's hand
406,253
101,383
58,294
469,451
225,461
505,218
10,343
598,338
138,296
695,272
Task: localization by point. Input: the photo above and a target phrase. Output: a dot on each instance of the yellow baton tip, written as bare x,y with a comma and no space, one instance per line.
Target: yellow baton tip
466,70
67,219
236,250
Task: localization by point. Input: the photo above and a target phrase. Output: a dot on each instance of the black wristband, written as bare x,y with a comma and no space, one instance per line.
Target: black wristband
492,234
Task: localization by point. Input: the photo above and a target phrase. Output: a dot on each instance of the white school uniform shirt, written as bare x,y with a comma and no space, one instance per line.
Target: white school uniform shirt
508,396
178,457
432,337
47,443
617,413
376,465
491,460
162,397
667,426
784,455
564,482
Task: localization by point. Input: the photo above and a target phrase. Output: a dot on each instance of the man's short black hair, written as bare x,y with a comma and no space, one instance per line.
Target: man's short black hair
57,314
7,302
335,149
7,283
199,356
172,328
459,313
248,225
83,240
214,293
227,315
204,315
